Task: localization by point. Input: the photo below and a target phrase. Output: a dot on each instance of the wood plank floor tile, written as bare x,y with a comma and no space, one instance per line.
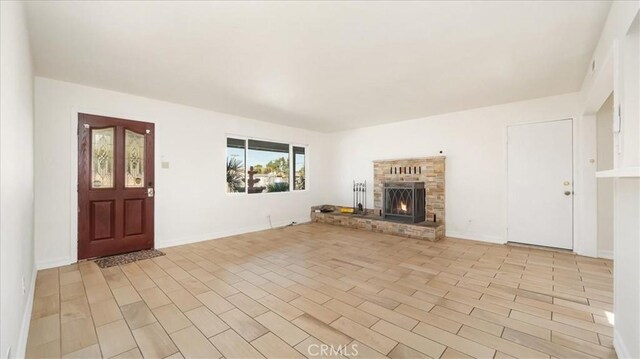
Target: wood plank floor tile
295,289
583,346
454,341
512,323
183,299
321,331
424,316
410,339
171,318
369,337
468,320
137,315
281,327
247,327
402,351
251,307
154,297
390,316
130,354
556,326
355,314
500,344
115,338
545,346
208,323
126,295
92,351
280,307
154,342
192,344
316,310
273,347
232,346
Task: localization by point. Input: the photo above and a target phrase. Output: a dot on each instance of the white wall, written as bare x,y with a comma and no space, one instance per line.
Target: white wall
627,199
16,179
617,63
604,123
191,203
474,142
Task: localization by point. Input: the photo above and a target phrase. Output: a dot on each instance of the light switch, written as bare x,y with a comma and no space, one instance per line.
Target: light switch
165,164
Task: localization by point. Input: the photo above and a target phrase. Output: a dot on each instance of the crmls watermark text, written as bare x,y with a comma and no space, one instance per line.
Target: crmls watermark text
332,350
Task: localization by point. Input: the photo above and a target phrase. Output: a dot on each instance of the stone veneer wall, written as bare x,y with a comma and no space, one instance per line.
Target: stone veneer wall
429,170
425,230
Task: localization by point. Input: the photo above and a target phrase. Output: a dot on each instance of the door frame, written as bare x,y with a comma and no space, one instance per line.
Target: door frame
73,170
121,193
574,175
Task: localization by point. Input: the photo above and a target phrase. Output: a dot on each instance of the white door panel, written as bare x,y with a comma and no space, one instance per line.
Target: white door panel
540,184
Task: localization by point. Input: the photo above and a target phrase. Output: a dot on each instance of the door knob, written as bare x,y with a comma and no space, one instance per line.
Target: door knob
567,193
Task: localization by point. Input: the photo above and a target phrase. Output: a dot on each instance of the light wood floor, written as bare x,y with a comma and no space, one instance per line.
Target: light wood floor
283,292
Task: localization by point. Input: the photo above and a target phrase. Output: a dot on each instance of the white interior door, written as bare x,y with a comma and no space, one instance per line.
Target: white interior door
540,184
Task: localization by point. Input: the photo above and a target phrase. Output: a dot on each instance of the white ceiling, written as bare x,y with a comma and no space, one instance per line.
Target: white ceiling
324,66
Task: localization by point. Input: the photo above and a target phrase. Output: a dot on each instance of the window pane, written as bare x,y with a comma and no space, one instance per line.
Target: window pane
235,165
134,159
102,158
268,167
299,182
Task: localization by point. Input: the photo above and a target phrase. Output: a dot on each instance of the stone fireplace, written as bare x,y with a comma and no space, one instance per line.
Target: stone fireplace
404,201
428,170
408,198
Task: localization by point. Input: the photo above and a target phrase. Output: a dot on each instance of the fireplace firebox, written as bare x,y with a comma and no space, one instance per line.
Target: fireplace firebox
404,201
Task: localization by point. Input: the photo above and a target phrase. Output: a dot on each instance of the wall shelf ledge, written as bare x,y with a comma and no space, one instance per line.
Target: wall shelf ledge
622,172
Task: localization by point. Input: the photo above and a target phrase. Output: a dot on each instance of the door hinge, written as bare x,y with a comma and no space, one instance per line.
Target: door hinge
617,121
620,112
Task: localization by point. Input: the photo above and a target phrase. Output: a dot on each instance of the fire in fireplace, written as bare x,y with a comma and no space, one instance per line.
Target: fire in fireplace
404,201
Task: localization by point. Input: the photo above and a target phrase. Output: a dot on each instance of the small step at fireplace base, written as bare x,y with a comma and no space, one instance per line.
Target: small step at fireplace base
372,221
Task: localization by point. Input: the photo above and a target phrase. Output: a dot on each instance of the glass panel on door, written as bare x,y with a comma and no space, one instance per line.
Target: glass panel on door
102,157
134,159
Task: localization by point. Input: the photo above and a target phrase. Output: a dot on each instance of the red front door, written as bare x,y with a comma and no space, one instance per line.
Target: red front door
115,186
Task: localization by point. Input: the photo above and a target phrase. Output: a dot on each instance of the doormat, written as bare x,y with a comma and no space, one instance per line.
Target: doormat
126,258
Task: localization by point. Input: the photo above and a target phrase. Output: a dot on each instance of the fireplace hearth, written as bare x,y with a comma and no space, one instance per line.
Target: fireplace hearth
404,201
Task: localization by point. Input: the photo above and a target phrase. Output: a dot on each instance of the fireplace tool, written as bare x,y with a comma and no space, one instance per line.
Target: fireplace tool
360,197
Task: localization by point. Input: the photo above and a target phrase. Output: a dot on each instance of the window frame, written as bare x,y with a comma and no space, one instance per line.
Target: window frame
293,167
246,141
291,162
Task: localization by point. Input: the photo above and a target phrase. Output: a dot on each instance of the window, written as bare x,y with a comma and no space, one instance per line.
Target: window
268,167
236,159
257,166
298,168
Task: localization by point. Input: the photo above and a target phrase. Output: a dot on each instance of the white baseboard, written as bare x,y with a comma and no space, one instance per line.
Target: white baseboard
21,348
621,350
605,254
226,233
475,237
52,263
57,262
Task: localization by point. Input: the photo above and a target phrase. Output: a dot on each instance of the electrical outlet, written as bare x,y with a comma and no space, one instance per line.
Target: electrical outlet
24,287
